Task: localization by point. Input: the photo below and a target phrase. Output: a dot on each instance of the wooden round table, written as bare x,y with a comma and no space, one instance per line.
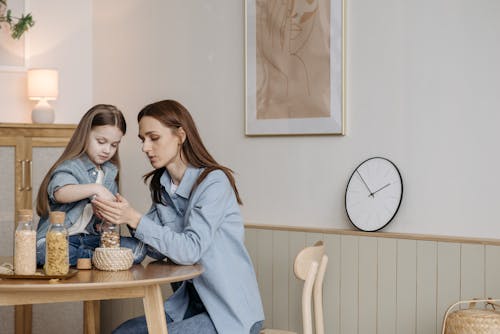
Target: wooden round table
93,285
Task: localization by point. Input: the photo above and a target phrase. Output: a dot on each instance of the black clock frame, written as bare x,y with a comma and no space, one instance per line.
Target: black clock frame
400,200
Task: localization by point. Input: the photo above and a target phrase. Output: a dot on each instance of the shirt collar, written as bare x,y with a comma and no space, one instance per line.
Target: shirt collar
89,165
188,180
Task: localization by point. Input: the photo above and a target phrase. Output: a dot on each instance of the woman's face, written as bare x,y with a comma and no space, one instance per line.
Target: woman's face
159,142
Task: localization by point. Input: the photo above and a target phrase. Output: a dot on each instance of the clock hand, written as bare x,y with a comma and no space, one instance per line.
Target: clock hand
371,194
376,191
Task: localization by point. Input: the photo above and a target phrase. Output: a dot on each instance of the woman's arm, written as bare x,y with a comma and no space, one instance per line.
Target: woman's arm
76,192
117,212
214,203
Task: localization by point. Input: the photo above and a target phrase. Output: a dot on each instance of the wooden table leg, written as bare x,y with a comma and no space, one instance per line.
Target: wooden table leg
23,315
154,310
92,317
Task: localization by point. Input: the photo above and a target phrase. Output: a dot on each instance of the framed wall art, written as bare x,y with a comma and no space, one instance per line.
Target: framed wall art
294,51
13,52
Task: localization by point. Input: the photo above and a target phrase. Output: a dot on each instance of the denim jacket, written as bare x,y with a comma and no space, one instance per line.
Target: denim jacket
205,226
76,171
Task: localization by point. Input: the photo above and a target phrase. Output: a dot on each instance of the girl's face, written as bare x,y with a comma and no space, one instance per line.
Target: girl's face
159,142
102,143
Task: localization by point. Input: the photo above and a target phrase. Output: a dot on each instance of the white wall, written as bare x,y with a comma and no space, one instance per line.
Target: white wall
422,90
61,39
422,81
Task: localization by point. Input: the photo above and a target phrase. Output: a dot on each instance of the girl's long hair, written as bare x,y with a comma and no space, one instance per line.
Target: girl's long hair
174,115
101,114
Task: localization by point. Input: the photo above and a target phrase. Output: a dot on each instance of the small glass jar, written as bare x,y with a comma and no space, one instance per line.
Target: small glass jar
57,250
110,235
25,244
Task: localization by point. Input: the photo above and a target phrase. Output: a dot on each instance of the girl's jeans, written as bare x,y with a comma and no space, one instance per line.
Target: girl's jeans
83,245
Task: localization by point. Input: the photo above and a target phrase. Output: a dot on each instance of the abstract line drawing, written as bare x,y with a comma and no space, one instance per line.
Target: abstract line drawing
294,67
293,58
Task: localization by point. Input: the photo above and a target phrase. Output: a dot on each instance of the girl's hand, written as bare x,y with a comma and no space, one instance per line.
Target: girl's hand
104,193
119,212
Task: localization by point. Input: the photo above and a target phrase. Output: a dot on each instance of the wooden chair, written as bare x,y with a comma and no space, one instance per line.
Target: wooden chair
309,266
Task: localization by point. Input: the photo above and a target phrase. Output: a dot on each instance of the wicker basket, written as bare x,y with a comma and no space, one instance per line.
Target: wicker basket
472,320
113,259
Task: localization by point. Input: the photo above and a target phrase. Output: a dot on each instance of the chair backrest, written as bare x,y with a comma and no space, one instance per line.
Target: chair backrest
310,266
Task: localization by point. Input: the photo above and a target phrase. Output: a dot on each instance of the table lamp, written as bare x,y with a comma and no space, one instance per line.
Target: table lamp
43,87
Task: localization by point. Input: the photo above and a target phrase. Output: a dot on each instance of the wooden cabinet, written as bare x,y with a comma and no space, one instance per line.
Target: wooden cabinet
27,151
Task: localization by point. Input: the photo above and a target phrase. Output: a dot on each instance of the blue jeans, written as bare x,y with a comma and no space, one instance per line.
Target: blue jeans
198,324
83,245
196,320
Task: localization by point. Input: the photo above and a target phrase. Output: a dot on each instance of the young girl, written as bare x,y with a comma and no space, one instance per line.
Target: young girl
194,218
87,168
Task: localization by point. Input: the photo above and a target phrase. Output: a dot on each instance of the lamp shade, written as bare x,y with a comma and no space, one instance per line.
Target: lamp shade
42,84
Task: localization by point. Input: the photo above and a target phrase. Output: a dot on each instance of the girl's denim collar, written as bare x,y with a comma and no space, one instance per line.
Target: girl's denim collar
89,165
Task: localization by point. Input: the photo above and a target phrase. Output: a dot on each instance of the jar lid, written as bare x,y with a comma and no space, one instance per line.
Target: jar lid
83,263
24,215
56,217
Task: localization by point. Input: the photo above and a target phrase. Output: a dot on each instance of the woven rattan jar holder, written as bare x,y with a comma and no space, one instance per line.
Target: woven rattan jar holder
472,320
112,259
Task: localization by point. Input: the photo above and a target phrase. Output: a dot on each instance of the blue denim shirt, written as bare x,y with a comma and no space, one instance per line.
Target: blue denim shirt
75,171
205,226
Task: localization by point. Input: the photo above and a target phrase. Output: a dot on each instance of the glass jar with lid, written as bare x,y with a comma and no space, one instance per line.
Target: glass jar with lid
57,250
110,235
25,244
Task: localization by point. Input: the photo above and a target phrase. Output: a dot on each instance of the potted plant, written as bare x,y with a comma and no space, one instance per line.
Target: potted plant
18,25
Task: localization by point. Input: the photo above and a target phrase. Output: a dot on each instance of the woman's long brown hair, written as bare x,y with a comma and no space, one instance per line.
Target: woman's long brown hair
101,114
174,115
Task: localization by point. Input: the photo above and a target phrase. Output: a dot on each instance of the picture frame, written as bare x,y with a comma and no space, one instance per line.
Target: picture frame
14,52
294,67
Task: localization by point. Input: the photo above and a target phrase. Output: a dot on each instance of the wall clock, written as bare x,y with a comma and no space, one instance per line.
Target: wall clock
373,194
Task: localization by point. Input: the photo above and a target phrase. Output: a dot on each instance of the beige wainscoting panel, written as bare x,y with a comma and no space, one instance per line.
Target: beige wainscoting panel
282,265
448,278
387,283
296,243
492,269
349,278
331,284
265,269
368,263
426,287
406,290
472,271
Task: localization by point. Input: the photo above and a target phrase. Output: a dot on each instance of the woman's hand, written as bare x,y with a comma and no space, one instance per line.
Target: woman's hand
116,212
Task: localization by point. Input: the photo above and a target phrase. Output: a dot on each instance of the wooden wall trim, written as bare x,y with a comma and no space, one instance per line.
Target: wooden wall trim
407,236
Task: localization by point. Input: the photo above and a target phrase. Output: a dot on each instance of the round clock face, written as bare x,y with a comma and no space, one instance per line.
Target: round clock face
373,194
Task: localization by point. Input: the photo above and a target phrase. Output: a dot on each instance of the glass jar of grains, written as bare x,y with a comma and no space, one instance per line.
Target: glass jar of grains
56,251
25,244
110,235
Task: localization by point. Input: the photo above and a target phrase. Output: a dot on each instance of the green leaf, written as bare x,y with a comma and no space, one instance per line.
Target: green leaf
22,25
17,25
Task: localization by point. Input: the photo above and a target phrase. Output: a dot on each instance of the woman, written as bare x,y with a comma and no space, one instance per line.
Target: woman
194,218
